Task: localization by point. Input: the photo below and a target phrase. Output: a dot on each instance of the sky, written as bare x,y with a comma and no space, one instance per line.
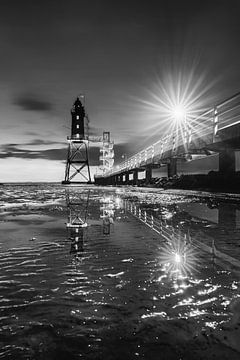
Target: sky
124,56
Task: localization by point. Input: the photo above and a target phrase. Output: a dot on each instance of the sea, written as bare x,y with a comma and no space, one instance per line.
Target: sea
114,273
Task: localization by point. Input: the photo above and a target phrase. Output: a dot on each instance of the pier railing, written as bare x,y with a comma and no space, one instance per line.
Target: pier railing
201,130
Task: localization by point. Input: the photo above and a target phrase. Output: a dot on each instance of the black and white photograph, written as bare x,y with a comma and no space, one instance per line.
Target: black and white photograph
120,180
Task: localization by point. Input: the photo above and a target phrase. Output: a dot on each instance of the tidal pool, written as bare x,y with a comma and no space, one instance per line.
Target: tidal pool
118,273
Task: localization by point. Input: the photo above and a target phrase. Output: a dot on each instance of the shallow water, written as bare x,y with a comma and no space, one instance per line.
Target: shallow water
135,282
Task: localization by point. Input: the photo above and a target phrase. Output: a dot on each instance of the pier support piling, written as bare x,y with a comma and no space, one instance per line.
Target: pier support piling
135,177
172,167
227,161
126,178
148,175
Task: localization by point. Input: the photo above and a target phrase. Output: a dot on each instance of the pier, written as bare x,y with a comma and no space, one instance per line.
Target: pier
216,131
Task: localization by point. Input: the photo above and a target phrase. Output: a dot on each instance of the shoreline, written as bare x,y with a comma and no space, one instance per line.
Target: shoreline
214,182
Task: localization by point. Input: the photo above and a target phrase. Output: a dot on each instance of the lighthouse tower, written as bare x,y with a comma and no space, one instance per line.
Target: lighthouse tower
77,165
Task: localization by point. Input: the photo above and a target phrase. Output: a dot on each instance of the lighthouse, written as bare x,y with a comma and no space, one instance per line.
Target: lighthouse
78,118
77,164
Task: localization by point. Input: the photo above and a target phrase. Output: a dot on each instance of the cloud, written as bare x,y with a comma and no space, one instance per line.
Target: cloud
34,142
59,154
37,142
31,102
12,150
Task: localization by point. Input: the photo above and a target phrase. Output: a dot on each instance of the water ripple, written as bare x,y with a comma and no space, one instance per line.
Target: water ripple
111,289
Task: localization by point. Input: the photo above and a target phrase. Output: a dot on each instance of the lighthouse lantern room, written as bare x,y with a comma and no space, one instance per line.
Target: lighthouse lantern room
78,119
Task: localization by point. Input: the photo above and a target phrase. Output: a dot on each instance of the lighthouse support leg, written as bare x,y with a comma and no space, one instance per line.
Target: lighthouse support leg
77,161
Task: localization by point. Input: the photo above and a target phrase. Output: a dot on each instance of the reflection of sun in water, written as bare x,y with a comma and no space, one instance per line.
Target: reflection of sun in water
178,258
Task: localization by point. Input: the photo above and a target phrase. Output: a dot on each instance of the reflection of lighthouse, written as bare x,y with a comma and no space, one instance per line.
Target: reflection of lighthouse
77,221
77,240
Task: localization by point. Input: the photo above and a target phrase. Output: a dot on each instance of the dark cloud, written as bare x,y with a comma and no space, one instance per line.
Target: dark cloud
57,154
60,154
37,142
12,150
32,103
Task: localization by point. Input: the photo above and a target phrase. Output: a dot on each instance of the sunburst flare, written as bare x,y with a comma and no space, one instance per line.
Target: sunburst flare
178,257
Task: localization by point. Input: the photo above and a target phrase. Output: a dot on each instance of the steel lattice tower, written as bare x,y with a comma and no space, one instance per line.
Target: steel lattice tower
107,153
78,143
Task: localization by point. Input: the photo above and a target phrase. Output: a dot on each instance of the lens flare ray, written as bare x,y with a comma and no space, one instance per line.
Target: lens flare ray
178,258
175,103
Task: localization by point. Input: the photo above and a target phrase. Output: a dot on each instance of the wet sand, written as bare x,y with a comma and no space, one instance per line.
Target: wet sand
108,291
